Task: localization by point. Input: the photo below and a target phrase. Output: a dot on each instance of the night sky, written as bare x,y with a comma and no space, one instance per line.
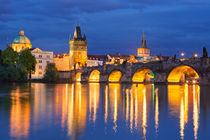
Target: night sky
111,26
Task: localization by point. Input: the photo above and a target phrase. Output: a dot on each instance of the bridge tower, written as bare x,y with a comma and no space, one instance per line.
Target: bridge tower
143,51
78,50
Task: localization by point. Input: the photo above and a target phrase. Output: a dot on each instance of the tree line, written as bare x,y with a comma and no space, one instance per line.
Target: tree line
16,67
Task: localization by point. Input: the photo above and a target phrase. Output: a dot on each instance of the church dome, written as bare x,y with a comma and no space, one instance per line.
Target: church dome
21,39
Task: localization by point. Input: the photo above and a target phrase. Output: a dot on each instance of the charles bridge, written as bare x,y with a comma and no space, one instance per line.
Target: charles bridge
170,71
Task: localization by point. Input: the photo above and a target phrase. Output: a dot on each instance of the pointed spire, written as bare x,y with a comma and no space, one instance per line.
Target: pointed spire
70,36
143,42
77,33
84,37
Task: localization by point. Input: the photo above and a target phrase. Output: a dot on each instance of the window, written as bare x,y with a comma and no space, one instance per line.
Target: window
40,56
40,67
48,62
40,61
40,72
48,56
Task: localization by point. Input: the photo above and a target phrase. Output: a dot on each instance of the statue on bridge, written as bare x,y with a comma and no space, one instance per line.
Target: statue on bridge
205,53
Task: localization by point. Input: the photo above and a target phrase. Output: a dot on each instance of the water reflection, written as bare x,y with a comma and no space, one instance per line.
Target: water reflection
71,105
74,108
181,99
19,114
94,96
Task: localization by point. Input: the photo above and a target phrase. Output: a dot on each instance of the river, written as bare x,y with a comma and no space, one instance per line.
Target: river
104,111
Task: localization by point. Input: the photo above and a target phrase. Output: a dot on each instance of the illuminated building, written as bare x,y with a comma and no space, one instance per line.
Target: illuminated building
62,62
78,50
21,42
143,52
42,59
95,60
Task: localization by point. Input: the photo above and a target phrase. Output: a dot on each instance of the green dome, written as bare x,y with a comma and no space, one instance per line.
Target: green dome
21,39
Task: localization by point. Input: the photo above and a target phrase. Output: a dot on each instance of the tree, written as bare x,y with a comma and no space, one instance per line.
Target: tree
51,73
27,62
10,57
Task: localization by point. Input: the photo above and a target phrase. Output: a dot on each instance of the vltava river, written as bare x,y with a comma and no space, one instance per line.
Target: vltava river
104,111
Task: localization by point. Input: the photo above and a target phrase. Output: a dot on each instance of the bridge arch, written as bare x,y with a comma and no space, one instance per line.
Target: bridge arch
78,77
181,74
143,75
94,76
115,76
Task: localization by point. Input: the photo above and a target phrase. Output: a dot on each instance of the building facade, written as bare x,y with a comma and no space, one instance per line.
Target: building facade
21,42
42,59
95,60
62,62
78,50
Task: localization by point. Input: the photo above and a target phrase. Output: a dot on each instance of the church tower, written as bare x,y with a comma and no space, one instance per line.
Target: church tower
143,51
78,50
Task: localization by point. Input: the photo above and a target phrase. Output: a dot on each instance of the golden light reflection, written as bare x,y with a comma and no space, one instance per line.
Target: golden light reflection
106,104
20,114
115,76
138,100
156,110
196,110
71,106
180,99
179,73
142,75
115,102
94,97
94,76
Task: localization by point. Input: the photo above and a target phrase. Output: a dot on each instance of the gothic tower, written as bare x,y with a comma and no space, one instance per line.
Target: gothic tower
143,51
78,50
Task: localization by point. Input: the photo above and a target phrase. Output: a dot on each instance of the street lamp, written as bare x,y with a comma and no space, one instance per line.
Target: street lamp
182,54
195,55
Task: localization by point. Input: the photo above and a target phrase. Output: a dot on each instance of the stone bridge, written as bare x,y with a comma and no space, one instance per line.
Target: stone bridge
177,71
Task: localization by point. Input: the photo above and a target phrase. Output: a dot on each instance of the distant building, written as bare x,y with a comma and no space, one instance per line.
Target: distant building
78,50
62,62
42,59
21,42
95,60
143,53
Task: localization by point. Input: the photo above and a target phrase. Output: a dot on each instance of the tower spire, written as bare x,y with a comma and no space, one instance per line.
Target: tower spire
77,33
70,36
143,42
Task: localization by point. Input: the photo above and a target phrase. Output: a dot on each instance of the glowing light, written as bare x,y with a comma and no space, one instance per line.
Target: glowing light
179,73
94,76
182,54
195,55
78,77
115,76
142,75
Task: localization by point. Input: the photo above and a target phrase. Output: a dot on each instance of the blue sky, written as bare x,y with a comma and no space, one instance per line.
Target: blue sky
111,26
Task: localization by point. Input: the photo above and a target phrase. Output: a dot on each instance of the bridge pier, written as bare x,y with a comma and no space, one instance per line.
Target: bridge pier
160,77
